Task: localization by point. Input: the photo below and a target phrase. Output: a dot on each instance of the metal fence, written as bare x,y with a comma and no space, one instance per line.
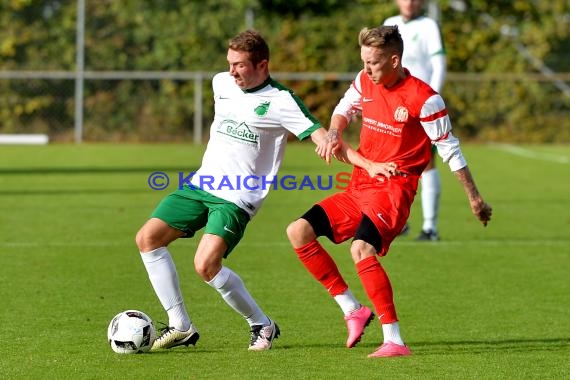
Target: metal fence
182,113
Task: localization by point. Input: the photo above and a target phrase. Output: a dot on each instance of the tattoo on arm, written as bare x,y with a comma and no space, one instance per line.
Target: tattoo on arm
332,134
464,176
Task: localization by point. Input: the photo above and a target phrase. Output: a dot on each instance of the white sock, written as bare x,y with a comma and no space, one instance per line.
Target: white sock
431,189
233,291
347,302
164,279
392,333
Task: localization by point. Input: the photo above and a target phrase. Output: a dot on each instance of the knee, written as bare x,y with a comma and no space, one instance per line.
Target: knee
201,269
292,231
144,240
139,239
300,233
359,250
205,269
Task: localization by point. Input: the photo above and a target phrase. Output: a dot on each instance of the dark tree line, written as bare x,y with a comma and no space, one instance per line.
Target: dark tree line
492,48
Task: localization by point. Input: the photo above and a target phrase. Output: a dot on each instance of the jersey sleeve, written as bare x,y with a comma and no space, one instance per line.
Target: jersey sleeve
435,52
433,37
439,69
296,117
437,125
351,102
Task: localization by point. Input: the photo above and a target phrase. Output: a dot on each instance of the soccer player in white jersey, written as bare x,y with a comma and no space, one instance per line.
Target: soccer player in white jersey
253,116
424,56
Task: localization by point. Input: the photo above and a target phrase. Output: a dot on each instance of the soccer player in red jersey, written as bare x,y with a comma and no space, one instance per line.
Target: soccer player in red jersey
401,118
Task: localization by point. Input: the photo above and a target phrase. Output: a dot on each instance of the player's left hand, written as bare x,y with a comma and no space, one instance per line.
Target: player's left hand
386,169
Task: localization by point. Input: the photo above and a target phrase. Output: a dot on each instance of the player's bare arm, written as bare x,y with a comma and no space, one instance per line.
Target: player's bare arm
334,138
348,155
480,208
336,147
319,137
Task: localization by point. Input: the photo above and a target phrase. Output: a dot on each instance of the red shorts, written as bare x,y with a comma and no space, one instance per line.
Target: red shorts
386,204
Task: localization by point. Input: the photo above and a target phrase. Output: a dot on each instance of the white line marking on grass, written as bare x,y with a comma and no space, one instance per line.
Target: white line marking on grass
517,150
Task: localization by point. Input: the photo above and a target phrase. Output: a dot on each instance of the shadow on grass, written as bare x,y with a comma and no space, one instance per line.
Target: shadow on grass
431,348
67,191
95,170
418,348
484,346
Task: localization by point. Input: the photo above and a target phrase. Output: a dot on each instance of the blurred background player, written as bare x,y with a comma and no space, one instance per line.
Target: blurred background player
424,56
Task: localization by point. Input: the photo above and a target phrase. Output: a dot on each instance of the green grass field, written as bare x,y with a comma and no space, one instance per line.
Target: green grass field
484,303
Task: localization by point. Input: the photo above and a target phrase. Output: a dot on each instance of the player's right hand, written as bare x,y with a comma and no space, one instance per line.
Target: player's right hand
333,144
482,211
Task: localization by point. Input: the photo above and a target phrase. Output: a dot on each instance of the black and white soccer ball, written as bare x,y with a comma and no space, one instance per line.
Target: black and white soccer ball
131,332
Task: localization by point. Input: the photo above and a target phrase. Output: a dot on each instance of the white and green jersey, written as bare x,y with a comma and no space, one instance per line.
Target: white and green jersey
424,54
248,138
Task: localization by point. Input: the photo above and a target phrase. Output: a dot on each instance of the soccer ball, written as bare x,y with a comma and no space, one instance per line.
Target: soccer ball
131,332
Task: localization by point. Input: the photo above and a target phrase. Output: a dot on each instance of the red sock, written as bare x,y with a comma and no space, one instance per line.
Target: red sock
378,288
321,265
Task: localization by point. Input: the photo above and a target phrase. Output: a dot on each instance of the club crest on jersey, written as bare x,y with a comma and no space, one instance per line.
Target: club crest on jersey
261,110
401,114
239,131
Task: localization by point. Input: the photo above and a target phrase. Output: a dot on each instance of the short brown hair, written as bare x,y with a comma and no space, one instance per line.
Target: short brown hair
252,42
384,37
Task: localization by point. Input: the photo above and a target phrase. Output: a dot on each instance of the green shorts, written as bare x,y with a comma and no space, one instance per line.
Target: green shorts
189,210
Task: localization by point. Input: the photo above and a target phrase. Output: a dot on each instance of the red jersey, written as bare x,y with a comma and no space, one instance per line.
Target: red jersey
399,124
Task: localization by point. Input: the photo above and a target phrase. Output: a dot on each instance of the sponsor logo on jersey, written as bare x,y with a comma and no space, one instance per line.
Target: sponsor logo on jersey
261,110
401,114
238,131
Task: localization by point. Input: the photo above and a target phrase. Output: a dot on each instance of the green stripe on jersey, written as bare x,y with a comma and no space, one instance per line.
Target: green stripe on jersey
316,123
